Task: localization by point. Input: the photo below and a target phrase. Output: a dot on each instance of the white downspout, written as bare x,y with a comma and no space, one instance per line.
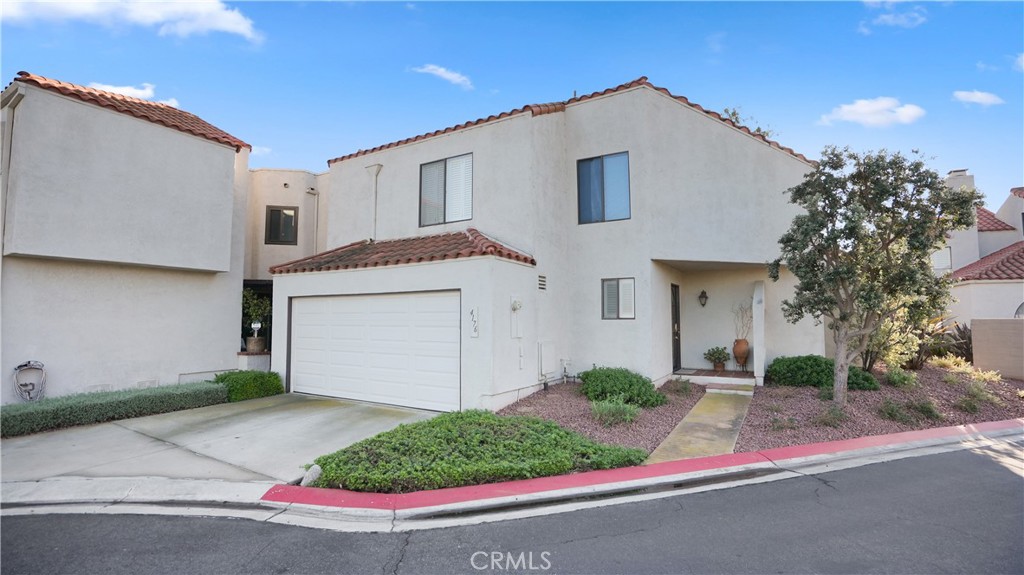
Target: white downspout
316,218
374,171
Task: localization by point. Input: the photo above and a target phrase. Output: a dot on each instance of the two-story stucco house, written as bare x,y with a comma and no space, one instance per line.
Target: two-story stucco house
123,239
474,263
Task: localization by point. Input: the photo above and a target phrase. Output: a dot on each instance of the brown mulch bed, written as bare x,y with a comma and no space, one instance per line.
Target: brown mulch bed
565,405
784,416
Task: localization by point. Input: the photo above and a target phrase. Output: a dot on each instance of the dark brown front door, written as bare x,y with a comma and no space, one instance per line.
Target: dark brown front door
676,353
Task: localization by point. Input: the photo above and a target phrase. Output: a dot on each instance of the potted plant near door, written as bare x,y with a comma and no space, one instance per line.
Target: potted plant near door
255,309
717,356
744,321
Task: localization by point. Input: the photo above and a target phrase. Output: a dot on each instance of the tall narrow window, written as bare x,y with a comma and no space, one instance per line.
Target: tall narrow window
617,298
603,188
446,190
282,225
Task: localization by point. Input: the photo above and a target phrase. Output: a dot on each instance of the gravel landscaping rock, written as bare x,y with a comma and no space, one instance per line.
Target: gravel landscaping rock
565,404
783,416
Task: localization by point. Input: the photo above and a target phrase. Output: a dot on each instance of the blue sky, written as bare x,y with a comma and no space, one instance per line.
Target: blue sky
306,82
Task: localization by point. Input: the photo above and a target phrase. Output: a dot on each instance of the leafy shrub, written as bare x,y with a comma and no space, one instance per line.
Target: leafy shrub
87,408
466,448
603,383
952,363
815,371
895,412
925,408
979,393
985,376
960,342
613,411
898,378
833,416
242,385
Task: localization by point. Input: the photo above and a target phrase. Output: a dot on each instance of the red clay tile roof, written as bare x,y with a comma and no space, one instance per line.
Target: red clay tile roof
1019,192
155,112
1006,264
371,254
539,109
988,222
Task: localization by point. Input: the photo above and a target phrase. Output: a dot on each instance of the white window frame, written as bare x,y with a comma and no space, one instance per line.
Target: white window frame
948,254
451,211
625,307
604,190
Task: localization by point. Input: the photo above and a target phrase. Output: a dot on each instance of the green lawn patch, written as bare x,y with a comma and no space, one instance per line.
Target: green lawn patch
86,408
466,448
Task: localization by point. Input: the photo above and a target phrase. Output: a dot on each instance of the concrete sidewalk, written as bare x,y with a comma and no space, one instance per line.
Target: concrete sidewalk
710,428
267,439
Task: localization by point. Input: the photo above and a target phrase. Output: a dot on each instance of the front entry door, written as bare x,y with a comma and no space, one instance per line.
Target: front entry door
676,353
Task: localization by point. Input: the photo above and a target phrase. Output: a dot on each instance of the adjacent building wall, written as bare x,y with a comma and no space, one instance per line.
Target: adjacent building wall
985,299
284,188
997,346
162,318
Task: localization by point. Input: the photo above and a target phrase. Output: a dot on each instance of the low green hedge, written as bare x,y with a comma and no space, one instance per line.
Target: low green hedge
86,408
815,371
242,385
466,448
603,383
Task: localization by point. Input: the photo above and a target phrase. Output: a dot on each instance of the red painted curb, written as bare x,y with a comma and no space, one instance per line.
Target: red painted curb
388,501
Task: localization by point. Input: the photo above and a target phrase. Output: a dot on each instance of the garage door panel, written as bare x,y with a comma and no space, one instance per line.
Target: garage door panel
401,349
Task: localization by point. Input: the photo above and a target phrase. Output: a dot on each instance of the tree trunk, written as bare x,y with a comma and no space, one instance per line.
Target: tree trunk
842,370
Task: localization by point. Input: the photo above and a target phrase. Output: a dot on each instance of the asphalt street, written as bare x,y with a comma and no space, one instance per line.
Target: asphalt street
960,512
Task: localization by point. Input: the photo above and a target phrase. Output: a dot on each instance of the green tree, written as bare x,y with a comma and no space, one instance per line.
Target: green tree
861,252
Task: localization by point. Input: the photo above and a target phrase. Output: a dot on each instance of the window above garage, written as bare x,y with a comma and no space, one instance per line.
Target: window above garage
282,225
446,191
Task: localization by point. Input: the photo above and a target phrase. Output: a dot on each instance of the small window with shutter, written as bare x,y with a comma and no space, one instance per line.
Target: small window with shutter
617,298
446,191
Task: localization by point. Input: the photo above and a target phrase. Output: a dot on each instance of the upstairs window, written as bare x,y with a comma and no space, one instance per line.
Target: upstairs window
603,188
446,191
617,298
282,225
942,260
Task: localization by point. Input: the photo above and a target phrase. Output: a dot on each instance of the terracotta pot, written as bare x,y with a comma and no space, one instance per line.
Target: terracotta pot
719,366
255,344
741,350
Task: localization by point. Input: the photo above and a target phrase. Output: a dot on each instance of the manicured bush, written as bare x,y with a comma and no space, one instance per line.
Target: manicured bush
613,411
815,371
896,377
466,448
242,385
86,408
603,383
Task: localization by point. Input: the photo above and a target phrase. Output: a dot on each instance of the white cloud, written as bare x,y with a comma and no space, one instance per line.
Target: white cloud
976,97
181,19
260,151
863,28
146,92
716,42
984,67
909,19
446,75
1019,62
874,113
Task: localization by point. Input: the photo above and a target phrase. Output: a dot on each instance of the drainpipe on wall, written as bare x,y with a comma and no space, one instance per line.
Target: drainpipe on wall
316,217
374,171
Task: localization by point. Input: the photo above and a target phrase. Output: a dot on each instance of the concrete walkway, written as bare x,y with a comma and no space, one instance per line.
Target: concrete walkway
711,427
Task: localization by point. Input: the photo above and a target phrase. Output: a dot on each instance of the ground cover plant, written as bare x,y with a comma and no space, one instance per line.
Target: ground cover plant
466,448
86,408
613,411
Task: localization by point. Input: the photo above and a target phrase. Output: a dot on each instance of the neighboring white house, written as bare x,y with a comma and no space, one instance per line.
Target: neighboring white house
123,238
478,261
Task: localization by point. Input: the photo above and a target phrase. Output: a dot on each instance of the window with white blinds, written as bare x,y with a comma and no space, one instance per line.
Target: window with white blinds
618,298
446,190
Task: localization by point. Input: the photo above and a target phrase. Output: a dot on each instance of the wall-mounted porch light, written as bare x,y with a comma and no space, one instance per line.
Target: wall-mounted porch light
703,298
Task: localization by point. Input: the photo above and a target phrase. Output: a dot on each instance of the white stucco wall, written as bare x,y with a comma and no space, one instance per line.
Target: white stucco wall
1012,211
114,188
990,242
987,299
492,375
287,188
100,326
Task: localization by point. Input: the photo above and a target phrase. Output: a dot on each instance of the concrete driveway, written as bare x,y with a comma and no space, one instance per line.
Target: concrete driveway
257,440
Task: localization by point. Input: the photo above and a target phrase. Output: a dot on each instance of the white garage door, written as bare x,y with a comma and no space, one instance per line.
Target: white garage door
399,349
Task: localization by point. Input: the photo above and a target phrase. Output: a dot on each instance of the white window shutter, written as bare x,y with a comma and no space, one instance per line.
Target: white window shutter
610,295
459,188
627,309
432,193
